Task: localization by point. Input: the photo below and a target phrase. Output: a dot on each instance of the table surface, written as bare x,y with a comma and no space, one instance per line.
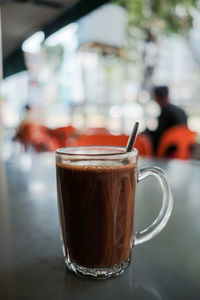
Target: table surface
31,259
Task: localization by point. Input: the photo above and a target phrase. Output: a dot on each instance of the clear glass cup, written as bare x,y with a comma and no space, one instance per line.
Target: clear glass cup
96,188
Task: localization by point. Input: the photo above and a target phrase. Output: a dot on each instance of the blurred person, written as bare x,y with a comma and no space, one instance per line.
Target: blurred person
171,114
29,128
30,114
28,118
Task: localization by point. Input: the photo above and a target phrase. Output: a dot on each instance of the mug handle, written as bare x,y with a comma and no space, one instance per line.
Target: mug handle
166,209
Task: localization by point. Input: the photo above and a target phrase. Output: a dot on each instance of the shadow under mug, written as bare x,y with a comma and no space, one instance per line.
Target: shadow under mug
96,188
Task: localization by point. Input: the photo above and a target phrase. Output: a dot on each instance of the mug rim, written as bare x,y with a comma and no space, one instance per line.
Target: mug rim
68,151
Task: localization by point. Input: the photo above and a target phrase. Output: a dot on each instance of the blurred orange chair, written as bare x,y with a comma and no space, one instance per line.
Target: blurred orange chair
36,136
101,140
42,141
30,133
61,135
142,143
41,138
178,138
96,130
24,133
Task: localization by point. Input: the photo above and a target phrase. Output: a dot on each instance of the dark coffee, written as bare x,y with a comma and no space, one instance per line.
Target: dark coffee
96,207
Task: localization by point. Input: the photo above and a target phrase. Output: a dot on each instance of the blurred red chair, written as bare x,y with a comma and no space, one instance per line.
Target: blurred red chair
180,140
142,143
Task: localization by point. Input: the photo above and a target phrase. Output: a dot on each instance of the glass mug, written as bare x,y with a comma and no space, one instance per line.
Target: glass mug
96,200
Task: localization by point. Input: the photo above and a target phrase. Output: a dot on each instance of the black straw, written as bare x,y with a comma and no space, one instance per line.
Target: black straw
132,138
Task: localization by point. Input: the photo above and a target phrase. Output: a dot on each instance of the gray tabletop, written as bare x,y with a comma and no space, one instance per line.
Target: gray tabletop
31,260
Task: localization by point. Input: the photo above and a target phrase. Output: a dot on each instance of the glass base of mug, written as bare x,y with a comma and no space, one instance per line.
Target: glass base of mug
97,273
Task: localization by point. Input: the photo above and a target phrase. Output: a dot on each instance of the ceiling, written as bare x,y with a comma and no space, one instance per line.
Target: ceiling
22,18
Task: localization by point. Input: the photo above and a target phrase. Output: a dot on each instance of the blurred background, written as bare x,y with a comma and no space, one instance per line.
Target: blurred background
93,65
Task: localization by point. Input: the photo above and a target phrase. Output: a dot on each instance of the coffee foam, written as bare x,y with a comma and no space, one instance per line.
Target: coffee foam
96,166
97,163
